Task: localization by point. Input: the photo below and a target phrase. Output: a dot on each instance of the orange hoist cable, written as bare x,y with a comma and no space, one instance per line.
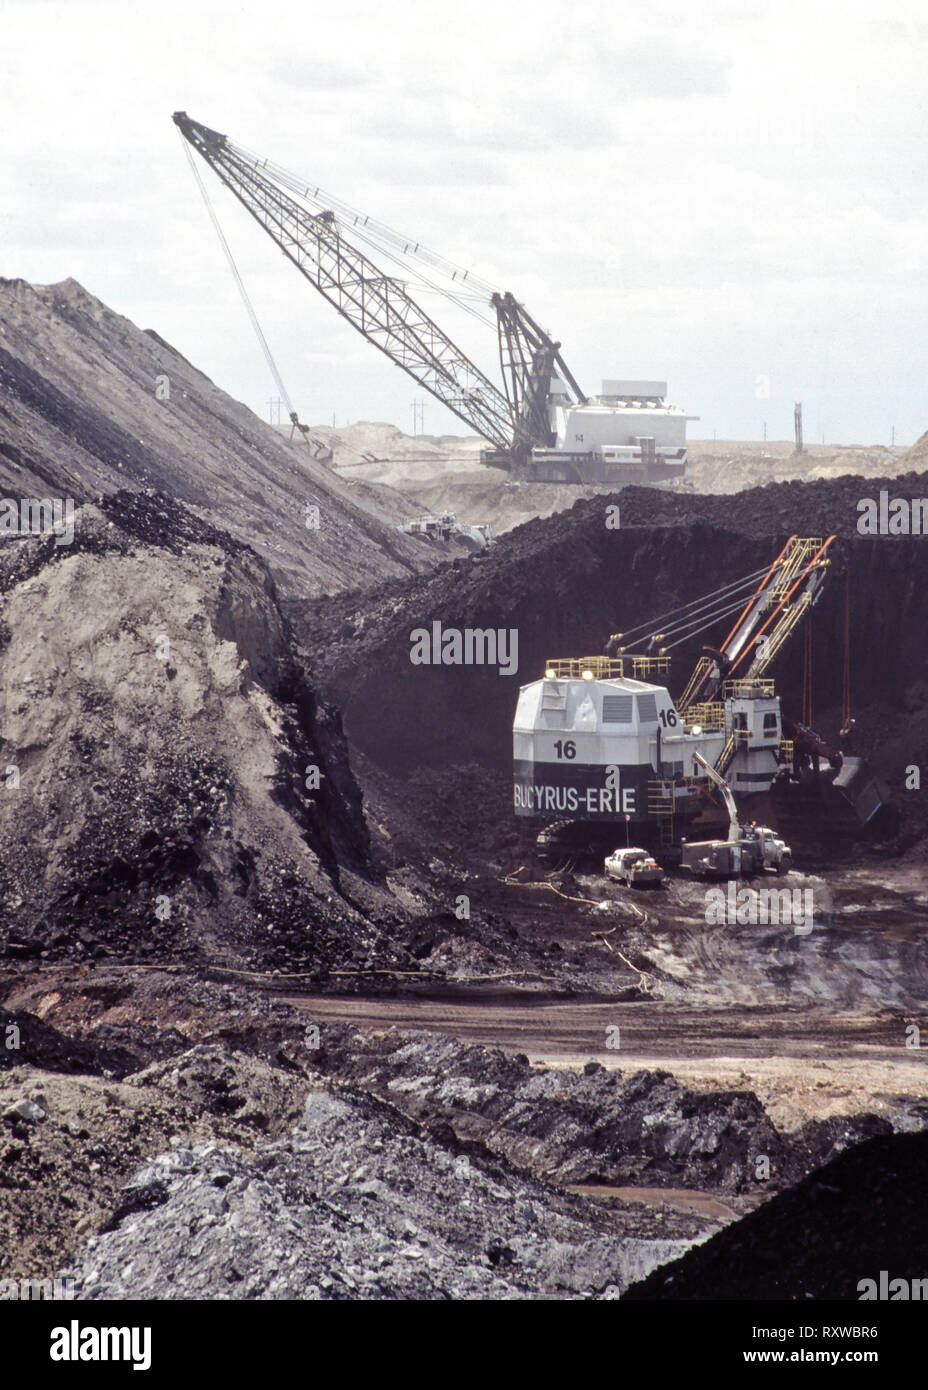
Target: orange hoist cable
846,690
807,675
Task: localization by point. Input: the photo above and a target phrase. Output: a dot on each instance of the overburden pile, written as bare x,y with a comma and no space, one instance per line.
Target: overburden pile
91,404
174,788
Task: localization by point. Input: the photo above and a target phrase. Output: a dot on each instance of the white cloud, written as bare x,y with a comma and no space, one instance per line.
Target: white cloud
702,192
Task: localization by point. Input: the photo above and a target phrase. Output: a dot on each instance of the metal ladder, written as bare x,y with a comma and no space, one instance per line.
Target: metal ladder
661,807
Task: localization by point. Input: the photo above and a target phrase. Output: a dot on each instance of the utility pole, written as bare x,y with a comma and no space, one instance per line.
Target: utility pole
894,437
765,431
797,426
273,406
418,418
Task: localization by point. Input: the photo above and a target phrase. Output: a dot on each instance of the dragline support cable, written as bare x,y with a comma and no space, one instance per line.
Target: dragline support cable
259,332
375,304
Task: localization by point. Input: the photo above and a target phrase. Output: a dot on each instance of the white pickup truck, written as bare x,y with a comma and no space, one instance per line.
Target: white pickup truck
633,866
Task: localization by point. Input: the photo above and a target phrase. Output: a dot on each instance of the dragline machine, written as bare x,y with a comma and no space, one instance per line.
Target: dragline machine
600,739
541,425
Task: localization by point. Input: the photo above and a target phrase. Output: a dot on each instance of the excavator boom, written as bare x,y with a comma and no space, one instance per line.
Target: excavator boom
734,825
784,596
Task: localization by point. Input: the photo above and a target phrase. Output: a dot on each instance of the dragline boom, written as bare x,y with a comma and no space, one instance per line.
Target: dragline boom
377,305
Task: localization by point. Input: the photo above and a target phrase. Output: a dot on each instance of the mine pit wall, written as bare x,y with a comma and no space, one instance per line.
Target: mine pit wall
332,820
337,830
566,599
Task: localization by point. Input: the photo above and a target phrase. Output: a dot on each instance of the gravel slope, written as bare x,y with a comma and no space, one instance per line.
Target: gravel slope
79,416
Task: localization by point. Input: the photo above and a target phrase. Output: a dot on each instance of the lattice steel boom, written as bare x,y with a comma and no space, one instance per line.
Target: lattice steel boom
374,303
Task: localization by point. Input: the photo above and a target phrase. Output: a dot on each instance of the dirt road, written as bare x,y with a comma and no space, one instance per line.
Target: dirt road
803,1064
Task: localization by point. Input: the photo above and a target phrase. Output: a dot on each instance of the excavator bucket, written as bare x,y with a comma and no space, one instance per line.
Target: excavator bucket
856,784
829,803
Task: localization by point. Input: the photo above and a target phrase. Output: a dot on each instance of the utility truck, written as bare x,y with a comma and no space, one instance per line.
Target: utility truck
748,850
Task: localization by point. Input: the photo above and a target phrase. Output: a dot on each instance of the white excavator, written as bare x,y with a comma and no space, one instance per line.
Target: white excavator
749,849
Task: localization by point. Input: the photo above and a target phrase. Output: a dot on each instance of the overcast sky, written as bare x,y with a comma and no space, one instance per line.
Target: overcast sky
731,196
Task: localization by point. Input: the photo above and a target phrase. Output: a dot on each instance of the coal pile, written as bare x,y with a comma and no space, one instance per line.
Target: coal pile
861,1215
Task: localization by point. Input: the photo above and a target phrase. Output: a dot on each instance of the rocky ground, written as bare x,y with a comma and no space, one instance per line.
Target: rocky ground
355,1204
335,1163
237,828
72,1146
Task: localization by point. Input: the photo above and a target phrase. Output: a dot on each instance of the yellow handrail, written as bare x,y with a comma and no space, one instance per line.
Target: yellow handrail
573,667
